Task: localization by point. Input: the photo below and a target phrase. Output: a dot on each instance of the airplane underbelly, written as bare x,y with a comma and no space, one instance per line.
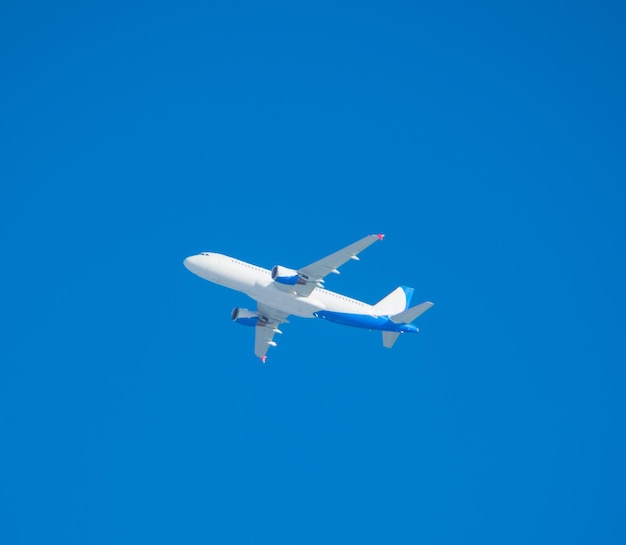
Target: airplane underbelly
288,302
236,280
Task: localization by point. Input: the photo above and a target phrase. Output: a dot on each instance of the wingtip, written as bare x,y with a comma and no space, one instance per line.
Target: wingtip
380,236
263,358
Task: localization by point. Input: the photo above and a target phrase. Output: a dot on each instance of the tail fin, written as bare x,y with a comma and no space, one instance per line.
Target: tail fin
397,301
409,315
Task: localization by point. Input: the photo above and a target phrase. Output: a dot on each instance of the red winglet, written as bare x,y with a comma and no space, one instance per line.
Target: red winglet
263,359
380,237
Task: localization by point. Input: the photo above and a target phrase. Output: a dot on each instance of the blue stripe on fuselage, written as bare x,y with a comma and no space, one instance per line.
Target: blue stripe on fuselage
365,321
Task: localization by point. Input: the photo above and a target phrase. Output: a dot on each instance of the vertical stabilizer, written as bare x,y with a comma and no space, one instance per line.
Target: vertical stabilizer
397,301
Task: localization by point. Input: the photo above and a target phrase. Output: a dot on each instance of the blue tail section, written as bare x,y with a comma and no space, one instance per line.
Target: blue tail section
397,301
408,293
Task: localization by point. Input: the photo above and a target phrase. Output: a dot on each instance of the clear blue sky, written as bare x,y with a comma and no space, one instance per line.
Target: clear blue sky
487,141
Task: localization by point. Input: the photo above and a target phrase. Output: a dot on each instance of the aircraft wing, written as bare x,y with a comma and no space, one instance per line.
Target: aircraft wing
315,272
267,326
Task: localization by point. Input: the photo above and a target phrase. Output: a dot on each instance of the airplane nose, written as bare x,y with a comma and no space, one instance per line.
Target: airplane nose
190,262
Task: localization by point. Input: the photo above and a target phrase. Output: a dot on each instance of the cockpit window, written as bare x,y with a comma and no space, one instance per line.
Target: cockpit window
205,253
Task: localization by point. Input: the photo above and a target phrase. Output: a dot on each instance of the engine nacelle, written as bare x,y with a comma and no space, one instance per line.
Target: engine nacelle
283,275
244,316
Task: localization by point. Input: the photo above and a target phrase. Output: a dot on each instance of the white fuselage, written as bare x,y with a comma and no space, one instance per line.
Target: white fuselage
257,283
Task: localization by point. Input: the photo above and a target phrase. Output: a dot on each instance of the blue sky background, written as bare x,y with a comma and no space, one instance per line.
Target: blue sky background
486,140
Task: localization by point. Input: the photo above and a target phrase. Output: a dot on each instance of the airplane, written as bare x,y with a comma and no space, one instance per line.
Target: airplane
281,292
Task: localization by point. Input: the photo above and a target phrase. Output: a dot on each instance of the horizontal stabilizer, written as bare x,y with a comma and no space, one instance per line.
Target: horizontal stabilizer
390,337
409,315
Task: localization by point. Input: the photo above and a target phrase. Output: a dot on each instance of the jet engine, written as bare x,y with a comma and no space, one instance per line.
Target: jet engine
283,275
244,316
